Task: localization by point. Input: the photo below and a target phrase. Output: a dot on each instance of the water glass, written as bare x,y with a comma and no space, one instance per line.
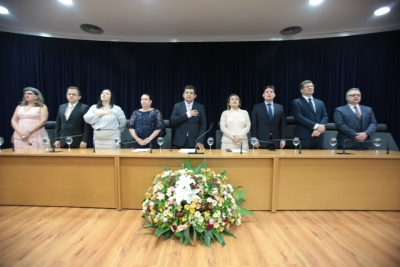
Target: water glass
296,142
377,142
117,141
1,141
160,141
333,143
69,140
253,141
46,143
210,142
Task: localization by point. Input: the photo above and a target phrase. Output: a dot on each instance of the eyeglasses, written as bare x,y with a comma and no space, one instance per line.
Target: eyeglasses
356,95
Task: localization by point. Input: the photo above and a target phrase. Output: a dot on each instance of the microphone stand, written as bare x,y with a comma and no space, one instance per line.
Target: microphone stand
368,141
58,139
195,146
241,145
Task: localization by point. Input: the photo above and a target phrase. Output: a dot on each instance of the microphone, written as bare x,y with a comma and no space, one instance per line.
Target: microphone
13,146
365,141
197,139
241,145
62,137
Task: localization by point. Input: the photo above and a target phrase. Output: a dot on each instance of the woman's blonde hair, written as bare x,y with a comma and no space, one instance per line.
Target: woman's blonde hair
38,102
229,98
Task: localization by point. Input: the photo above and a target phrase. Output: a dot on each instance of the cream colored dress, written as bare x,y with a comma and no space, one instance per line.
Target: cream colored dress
234,122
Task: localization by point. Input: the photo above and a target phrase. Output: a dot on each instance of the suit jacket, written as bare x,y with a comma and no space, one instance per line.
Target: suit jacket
262,126
75,125
347,122
193,127
306,118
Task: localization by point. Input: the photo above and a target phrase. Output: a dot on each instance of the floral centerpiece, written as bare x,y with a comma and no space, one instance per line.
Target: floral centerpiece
193,202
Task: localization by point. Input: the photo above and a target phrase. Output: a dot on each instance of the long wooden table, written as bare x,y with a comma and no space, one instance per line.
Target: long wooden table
281,180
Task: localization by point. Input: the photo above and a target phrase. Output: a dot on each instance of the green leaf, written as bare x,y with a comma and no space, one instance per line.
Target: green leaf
202,165
167,235
160,231
166,168
240,201
207,238
220,238
178,234
240,194
236,187
198,228
188,164
227,232
223,173
194,235
186,235
149,226
244,212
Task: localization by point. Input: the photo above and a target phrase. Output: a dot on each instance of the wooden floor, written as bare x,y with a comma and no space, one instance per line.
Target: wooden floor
47,236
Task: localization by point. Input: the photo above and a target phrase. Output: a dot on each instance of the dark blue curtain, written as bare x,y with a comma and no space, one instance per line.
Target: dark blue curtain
370,62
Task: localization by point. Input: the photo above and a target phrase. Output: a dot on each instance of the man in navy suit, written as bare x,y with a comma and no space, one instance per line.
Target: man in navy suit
70,121
268,121
311,117
189,119
354,121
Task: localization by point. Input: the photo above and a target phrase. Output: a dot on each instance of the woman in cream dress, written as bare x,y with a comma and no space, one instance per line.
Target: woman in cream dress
235,124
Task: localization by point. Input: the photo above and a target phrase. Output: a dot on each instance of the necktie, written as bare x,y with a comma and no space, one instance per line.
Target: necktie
188,107
271,116
69,110
357,112
311,104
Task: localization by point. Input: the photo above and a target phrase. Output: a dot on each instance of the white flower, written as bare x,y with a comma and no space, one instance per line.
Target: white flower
197,214
160,196
183,191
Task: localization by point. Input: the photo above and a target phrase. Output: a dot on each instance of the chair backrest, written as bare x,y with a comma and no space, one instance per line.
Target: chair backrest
167,139
126,137
381,128
387,137
330,126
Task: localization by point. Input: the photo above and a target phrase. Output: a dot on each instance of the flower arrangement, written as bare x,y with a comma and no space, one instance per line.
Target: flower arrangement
196,201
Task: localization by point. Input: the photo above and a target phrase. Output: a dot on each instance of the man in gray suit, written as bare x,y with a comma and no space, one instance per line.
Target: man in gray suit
70,121
189,119
268,121
354,121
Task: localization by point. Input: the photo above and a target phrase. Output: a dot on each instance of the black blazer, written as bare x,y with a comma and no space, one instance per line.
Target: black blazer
262,126
306,118
195,126
74,126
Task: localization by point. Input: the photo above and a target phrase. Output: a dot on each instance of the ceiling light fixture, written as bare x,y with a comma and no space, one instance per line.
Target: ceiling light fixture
315,2
381,11
291,30
93,29
66,2
3,10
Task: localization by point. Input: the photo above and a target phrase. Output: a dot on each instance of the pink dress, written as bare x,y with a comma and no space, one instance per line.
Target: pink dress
26,120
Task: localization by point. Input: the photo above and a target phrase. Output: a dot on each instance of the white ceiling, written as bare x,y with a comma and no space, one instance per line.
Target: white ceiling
198,20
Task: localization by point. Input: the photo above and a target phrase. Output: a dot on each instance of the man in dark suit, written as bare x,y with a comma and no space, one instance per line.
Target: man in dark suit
70,121
268,121
189,119
311,117
354,121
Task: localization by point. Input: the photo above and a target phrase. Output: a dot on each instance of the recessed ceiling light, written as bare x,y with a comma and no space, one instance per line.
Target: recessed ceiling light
381,11
291,30
315,2
90,28
66,2
3,10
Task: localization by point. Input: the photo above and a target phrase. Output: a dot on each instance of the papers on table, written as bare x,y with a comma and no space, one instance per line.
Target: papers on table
237,150
141,150
186,150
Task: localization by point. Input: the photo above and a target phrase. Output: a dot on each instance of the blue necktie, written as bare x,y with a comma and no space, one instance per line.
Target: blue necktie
311,105
271,116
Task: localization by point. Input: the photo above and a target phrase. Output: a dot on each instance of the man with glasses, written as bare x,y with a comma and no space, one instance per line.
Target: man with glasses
311,117
354,121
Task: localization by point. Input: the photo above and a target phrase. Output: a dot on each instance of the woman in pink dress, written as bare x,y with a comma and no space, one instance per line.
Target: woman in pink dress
29,119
